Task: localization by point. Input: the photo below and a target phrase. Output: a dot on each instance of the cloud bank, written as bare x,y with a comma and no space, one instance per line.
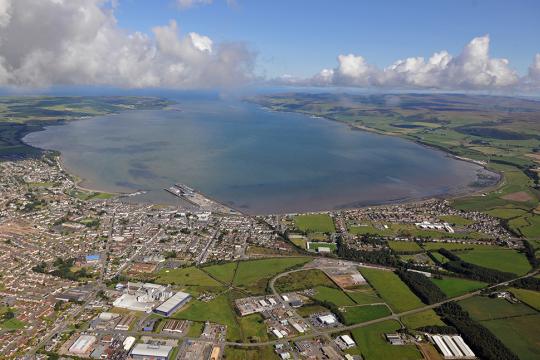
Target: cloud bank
65,42
472,69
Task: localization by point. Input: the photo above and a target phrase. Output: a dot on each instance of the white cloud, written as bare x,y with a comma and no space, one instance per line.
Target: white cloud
190,3
534,71
45,42
472,69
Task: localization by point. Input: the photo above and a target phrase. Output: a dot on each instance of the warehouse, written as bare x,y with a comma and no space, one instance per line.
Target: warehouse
453,347
83,345
148,351
173,303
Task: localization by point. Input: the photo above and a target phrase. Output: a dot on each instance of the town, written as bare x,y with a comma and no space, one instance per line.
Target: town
88,275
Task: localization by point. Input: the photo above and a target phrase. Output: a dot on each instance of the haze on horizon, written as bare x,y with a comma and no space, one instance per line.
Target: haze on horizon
190,44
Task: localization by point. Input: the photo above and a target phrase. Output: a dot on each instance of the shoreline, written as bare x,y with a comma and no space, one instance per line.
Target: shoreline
465,192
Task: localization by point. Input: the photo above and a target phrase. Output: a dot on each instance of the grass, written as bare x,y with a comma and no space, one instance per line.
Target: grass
258,353
363,313
424,318
11,324
222,272
253,328
363,296
519,334
452,287
254,275
391,289
315,223
456,220
404,246
529,297
307,310
186,276
195,330
457,246
316,245
302,280
218,310
333,295
372,344
499,259
485,308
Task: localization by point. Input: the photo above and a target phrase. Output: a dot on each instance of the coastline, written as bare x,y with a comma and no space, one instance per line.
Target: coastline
465,191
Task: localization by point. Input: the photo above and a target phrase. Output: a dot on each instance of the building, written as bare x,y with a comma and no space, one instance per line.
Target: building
394,339
151,352
347,341
452,347
328,319
172,304
83,345
215,353
128,343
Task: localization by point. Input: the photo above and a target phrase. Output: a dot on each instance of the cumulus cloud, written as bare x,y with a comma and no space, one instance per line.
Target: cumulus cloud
472,69
46,42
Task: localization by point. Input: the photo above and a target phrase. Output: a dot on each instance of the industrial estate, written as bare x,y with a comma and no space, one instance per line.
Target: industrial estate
87,274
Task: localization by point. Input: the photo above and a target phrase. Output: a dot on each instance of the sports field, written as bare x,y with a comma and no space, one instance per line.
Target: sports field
315,223
391,289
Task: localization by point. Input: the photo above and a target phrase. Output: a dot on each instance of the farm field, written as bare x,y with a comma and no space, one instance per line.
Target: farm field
457,246
358,314
456,220
529,297
391,289
253,275
485,308
333,295
452,287
314,223
373,346
420,319
366,295
519,334
301,280
499,259
253,328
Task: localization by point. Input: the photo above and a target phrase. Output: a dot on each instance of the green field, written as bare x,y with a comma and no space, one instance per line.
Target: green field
373,346
195,330
393,291
365,295
457,246
485,308
519,334
424,318
499,259
315,223
452,287
253,328
363,313
529,297
185,276
456,220
301,280
11,324
404,246
307,310
222,272
253,275
315,245
333,295
258,353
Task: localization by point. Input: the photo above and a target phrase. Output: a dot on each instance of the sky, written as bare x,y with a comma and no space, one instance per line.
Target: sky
417,44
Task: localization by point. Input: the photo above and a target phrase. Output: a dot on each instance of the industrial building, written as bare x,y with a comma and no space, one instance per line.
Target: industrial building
83,345
328,319
149,351
143,296
453,347
172,304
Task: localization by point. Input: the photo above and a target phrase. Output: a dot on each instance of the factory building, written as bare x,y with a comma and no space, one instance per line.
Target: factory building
83,345
172,304
453,347
149,351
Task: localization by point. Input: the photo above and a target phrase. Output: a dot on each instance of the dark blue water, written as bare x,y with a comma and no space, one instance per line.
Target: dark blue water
250,158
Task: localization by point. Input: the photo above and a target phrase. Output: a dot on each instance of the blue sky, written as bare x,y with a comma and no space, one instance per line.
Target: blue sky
301,37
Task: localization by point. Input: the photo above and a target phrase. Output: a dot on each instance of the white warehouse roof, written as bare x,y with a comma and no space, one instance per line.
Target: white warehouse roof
173,301
161,351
